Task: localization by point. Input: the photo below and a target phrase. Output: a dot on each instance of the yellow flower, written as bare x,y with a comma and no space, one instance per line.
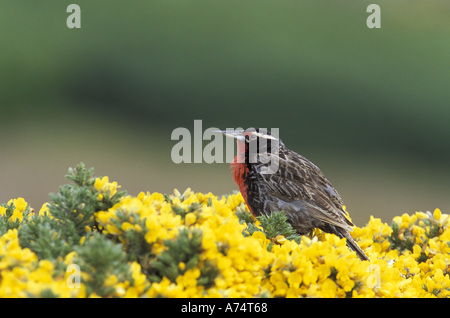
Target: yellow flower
127,226
2,211
280,239
19,203
140,281
17,215
176,193
70,258
111,280
190,219
295,279
328,289
44,210
103,186
437,214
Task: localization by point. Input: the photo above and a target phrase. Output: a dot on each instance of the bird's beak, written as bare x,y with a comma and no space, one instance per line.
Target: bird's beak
236,134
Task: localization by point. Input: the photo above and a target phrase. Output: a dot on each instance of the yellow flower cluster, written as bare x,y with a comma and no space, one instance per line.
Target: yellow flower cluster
20,206
104,187
240,260
321,266
23,276
410,258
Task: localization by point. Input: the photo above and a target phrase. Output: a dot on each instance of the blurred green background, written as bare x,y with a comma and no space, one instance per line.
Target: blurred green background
368,106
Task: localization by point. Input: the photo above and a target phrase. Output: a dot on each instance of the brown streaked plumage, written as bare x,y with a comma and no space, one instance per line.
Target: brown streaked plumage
298,187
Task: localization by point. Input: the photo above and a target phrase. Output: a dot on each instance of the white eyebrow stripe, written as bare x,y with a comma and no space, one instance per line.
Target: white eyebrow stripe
264,136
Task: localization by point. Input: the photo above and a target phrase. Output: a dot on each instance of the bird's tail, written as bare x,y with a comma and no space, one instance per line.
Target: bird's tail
352,244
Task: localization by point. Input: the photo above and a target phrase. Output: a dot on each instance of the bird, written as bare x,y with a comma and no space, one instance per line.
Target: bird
293,184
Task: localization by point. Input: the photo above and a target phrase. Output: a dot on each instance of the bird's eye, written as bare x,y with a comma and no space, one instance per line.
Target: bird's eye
253,137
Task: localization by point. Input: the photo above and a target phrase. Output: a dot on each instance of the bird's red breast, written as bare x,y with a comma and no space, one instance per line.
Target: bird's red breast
240,171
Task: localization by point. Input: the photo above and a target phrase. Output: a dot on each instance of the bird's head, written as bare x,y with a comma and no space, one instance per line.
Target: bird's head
252,142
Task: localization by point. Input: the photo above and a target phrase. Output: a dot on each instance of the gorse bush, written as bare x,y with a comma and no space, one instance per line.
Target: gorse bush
92,240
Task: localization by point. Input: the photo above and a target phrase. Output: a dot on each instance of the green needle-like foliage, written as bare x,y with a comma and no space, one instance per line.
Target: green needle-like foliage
41,234
272,226
71,216
185,249
99,258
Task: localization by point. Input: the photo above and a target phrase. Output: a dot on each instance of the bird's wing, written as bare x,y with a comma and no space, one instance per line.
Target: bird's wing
299,180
